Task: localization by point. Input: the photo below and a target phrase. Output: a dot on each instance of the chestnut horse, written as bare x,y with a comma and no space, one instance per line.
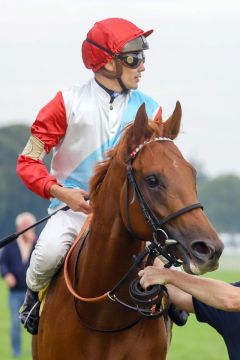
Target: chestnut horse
144,191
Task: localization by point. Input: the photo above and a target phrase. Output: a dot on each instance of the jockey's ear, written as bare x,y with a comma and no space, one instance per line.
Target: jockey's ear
172,125
140,127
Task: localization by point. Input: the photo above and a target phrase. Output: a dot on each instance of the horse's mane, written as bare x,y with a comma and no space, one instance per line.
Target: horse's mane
120,152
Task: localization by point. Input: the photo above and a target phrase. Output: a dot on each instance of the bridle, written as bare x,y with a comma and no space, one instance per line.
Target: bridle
154,301
155,223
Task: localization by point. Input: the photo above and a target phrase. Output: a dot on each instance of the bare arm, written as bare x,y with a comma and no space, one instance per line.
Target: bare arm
211,292
181,299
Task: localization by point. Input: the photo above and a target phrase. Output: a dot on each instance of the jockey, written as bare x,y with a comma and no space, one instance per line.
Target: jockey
80,125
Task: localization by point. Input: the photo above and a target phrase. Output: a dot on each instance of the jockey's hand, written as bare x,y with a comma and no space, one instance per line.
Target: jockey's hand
76,199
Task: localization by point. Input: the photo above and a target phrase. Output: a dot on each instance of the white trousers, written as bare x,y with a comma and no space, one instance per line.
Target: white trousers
52,247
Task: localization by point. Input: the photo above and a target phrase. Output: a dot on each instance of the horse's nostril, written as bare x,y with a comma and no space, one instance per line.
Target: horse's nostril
202,250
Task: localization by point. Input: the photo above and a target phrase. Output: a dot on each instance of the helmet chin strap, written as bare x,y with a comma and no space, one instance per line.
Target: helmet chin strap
116,75
119,75
124,88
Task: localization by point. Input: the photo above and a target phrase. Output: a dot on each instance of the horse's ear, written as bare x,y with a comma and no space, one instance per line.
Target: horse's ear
140,125
158,117
172,125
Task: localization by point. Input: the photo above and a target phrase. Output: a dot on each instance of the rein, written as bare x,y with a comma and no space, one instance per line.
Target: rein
157,293
81,237
151,248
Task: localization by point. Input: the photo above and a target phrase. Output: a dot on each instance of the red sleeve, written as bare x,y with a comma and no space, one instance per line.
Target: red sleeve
49,127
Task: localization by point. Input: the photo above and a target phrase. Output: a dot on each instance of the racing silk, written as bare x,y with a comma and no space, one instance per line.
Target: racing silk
80,125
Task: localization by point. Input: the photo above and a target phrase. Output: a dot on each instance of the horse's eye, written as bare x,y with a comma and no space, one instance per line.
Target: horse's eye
152,181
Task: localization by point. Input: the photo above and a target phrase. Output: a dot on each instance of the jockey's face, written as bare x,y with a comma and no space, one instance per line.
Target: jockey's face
131,77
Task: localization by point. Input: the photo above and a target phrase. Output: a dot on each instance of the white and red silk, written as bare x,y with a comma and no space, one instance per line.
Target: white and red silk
49,127
80,127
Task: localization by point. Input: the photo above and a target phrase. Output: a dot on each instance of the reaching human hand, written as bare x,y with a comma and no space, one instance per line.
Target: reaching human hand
152,275
158,263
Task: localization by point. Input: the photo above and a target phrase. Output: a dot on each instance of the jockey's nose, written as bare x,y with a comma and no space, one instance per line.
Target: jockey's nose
205,250
141,67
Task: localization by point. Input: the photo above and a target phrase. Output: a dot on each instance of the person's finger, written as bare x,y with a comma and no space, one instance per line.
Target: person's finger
86,204
85,194
85,209
143,283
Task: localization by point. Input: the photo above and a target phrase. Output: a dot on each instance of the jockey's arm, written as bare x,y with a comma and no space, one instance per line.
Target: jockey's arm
46,132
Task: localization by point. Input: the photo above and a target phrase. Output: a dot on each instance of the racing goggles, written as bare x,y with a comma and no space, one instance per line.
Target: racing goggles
133,59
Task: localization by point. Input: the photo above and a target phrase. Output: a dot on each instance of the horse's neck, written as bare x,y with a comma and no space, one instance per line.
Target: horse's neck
109,247
106,257
109,251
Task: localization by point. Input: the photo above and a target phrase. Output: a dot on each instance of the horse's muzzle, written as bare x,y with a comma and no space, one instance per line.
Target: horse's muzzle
205,251
205,254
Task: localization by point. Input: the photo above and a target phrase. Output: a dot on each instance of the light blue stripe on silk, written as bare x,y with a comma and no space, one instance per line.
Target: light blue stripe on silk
80,176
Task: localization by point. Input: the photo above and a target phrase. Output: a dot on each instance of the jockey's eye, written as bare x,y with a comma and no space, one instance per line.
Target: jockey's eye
152,181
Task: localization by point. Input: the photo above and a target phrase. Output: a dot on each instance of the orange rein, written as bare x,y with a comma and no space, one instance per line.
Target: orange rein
66,270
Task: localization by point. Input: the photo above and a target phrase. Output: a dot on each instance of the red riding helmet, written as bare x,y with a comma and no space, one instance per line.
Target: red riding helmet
110,37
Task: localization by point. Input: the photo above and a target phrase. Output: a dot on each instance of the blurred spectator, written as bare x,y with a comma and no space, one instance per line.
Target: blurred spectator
14,260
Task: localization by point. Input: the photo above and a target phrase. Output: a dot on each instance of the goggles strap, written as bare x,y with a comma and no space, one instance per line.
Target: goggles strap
100,47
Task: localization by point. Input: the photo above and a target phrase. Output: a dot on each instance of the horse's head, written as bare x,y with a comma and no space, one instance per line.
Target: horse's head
163,182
